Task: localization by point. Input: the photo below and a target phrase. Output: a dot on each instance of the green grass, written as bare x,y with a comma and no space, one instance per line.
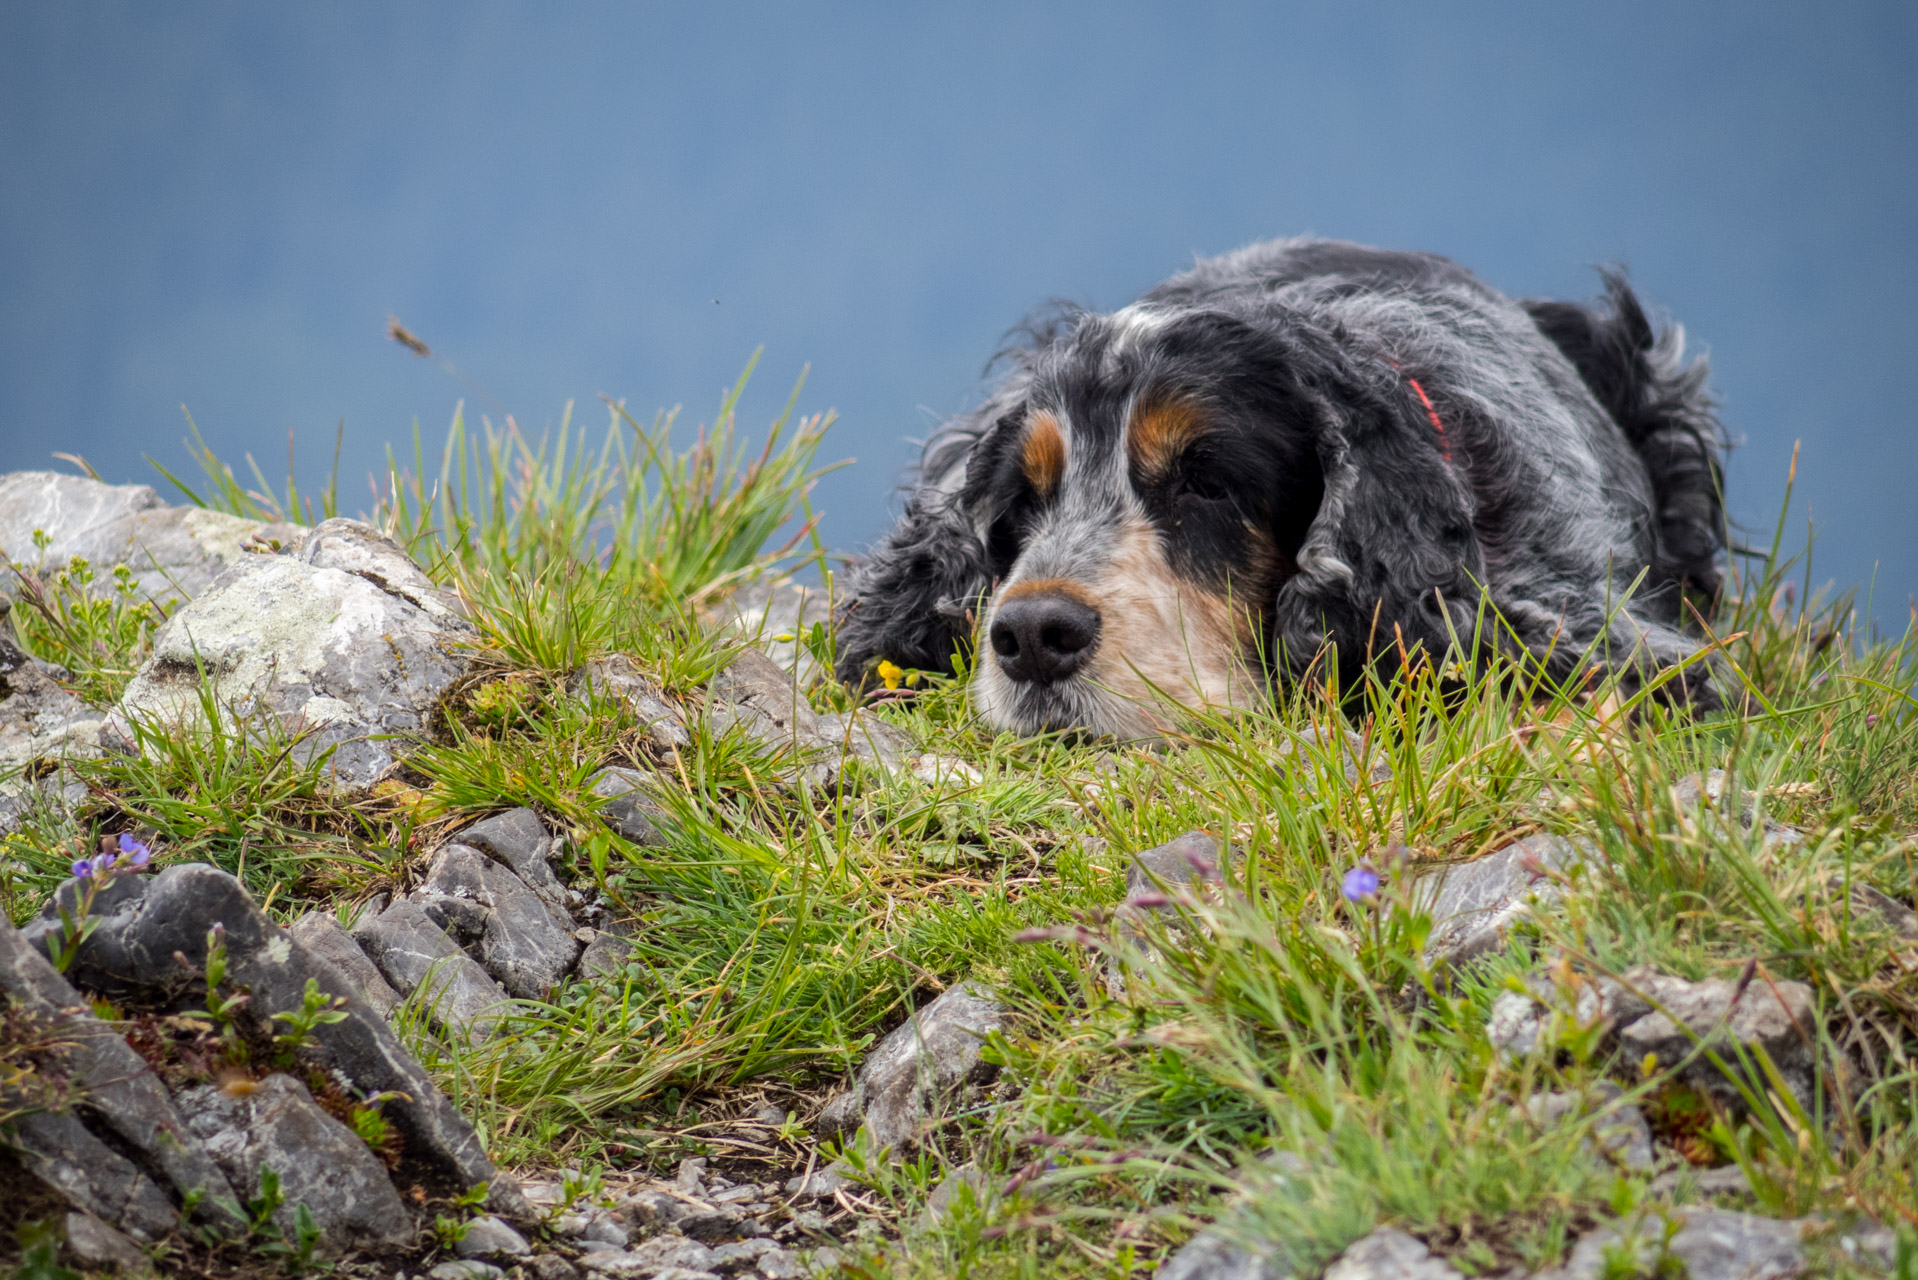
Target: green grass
1287,1063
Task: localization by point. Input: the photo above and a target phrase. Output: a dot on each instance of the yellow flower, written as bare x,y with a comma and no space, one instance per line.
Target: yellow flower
890,674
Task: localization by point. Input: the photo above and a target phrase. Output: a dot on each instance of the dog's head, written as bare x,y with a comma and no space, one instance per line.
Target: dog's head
1139,508
1170,505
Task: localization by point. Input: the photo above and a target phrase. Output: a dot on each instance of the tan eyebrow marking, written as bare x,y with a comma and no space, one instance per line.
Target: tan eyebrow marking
1043,458
1042,586
1159,430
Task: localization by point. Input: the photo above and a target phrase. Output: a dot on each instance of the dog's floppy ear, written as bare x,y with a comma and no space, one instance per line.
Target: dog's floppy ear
909,601
1393,540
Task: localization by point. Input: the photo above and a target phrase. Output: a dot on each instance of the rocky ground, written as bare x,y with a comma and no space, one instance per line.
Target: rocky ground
396,914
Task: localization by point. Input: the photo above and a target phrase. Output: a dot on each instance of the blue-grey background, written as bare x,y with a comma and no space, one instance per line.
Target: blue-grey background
218,205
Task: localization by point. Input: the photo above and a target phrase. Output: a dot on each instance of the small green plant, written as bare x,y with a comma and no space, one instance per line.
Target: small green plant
575,1186
40,1252
449,1231
370,1126
317,1009
99,636
223,1010
261,1208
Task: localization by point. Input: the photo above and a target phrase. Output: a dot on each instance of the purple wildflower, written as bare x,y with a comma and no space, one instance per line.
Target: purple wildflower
1871,720
104,862
82,869
1360,883
137,852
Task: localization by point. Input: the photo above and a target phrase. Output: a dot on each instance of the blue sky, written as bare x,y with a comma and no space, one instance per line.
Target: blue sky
218,206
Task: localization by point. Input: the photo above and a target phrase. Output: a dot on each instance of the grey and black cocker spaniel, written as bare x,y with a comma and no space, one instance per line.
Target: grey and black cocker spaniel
1304,444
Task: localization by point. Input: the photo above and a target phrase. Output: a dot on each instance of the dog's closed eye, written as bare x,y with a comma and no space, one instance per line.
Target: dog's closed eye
1198,477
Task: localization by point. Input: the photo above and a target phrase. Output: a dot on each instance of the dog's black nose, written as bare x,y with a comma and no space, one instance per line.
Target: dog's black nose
1043,637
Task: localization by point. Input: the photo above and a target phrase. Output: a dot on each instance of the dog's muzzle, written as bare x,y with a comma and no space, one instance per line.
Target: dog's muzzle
1044,637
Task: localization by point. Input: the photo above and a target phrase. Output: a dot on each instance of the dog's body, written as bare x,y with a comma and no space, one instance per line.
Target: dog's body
1303,443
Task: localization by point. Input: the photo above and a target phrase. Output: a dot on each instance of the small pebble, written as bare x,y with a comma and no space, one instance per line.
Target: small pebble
781,1264
488,1237
465,1269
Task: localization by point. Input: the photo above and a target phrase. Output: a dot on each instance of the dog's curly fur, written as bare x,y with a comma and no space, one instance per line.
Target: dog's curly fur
1310,443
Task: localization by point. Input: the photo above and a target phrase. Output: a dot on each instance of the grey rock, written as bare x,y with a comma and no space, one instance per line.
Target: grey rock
416,955
876,744
1620,1130
1688,1183
601,1227
53,799
523,941
741,1254
1474,904
1778,1017
58,1150
910,1074
817,1185
548,1266
543,1193
322,935
1517,1019
489,1237
690,1179
145,920
1867,1241
653,1210
1513,1025
1190,866
663,1255
1211,1255
967,1179
465,1269
343,639
173,552
95,1244
1390,1254
783,1264
617,678
628,806
712,1222
754,697
1190,861
519,839
121,1091
1709,791
772,613
656,1209
320,1162
1712,1244
352,546
605,956
42,726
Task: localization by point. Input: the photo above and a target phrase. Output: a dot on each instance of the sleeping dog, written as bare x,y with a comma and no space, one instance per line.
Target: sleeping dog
1304,448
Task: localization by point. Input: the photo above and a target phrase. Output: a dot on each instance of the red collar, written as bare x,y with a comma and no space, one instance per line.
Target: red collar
1445,445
